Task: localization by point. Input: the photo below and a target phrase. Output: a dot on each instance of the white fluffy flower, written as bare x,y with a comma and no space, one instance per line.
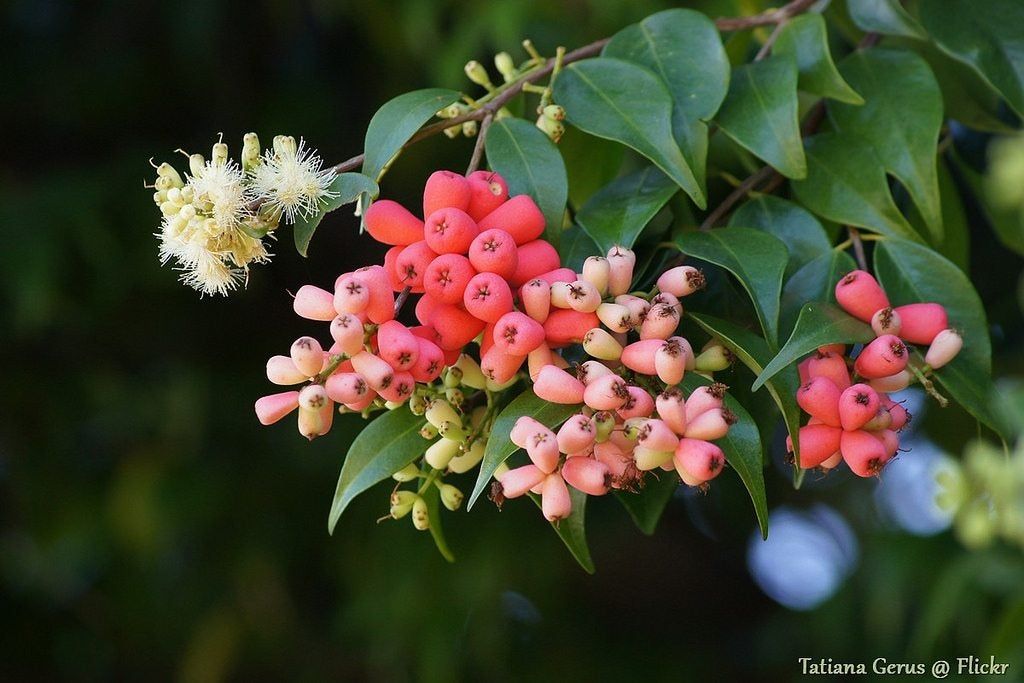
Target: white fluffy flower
219,189
291,180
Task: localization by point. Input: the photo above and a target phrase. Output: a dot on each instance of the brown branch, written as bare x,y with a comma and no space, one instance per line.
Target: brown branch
478,148
749,183
775,16
858,247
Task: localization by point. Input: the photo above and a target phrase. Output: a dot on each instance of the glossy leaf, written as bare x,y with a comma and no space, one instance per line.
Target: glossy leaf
900,119
756,258
815,281
531,165
742,448
572,530
819,324
760,114
797,228
500,447
805,38
348,187
955,243
386,445
684,48
846,184
432,497
590,163
620,101
912,273
753,351
884,16
647,505
396,122
619,211
985,35
575,246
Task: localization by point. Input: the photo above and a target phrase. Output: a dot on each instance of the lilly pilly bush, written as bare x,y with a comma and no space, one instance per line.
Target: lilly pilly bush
550,323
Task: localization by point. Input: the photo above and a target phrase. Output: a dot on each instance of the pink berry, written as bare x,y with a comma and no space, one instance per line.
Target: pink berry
860,295
389,222
522,429
558,386
537,359
412,265
519,481
670,361
637,307
313,303
657,435
455,326
429,361
883,357
517,333
639,356
535,296
534,259
488,297
890,440
864,453
347,332
391,268
447,277
606,393
595,271
281,370
397,345
620,270
270,409
351,295
375,370
307,355
647,459
558,275
382,297
598,343
900,415
499,366
519,217
892,383
819,398
555,501
886,321
364,403
703,461
445,189
639,404
487,191
567,326
346,387
817,444
615,317
681,281
542,447
449,231
576,434
921,323
587,475
583,297
314,423
494,251
703,399
590,370
426,307
944,348
672,409
830,365
858,405
660,323
399,389
710,425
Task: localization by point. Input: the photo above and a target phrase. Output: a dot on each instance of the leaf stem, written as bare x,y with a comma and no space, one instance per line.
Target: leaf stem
928,386
858,247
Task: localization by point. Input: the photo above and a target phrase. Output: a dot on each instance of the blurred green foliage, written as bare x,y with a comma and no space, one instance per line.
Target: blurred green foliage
150,529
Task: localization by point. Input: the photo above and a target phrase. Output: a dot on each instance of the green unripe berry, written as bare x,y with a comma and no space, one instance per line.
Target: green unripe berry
407,473
451,497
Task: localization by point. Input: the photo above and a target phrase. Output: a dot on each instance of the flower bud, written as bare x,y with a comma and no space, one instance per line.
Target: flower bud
284,145
505,66
441,452
451,377
428,432
452,430
552,128
466,461
219,156
451,497
407,473
418,406
454,396
554,112
604,423
250,151
420,515
472,376
470,129
713,359
598,343
196,164
440,411
476,72
401,503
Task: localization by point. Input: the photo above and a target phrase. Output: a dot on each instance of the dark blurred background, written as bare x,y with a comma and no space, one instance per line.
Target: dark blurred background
150,529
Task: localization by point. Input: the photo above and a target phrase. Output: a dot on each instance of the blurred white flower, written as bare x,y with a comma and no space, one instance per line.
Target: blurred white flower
291,179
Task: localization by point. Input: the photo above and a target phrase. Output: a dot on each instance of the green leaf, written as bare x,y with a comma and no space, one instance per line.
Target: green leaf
796,227
500,447
760,114
647,505
756,258
386,445
884,16
806,39
986,36
590,163
575,246
619,211
432,497
348,187
819,324
846,184
956,233
572,530
531,165
396,122
620,101
742,448
816,281
697,75
754,352
912,273
900,119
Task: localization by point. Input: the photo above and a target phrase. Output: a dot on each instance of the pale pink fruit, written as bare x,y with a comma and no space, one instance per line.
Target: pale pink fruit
858,405
313,397
583,296
522,429
817,444
537,359
500,366
314,303
281,370
429,361
886,321
883,357
620,270
703,399
865,454
375,370
555,501
639,356
922,322
681,281
382,295
639,404
346,387
944,348
347,332
598,343
703,461
351,295
892,383
587,475
710,425
564,327
558,386
615,317
656,435
606,393
860,295
670,362
517,333
596,271
819,398
672,409
536,299
399,389
307,355
397,345
590,370
660,323
270,409
576,434
542,447
636,306
518,482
